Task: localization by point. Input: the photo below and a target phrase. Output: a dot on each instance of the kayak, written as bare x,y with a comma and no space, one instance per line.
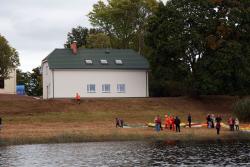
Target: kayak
195,125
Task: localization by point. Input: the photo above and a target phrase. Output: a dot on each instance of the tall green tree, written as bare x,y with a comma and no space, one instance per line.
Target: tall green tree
199,47
98,40
227,61
80,35
9,58
32,81
123,20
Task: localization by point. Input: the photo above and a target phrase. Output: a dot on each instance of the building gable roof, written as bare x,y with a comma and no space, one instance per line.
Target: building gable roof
65,59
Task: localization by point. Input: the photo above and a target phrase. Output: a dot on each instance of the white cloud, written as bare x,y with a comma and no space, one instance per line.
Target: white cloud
36,27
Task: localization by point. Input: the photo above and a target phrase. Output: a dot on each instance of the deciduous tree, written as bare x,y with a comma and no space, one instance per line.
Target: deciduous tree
9,59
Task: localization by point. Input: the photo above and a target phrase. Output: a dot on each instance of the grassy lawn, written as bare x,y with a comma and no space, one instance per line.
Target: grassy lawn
27,120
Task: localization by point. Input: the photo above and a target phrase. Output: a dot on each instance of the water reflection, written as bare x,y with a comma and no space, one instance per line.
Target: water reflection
127,154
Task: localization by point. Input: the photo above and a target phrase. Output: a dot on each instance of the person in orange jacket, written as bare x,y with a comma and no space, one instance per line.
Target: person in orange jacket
78,98
169,122
172,123
166,121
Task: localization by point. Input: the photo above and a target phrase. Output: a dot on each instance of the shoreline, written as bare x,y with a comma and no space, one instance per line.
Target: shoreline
120,135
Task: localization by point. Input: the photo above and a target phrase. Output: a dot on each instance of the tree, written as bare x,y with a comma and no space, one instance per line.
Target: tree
32,81
227,61
123,20
98,40
80,35
9,59
200,47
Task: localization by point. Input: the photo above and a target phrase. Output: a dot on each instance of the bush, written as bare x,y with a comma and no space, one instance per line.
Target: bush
242,109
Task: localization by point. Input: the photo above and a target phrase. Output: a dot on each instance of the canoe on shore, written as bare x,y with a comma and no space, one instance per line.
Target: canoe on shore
244,127
195,125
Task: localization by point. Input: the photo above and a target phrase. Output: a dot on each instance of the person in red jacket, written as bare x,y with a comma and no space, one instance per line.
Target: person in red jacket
231,124
78,98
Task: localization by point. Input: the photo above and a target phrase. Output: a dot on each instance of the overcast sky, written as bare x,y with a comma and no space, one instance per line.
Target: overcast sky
36,27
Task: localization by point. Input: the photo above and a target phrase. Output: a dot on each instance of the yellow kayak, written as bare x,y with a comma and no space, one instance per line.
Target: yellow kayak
153,125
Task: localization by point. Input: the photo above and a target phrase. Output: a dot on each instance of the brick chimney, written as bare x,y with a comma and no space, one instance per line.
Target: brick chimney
73,47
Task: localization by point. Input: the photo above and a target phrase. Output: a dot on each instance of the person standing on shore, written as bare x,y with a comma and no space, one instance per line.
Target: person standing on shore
237,124
157,123
78,98
172,122
218,126
177,124
230,123
166,121
208,121
0,123
212,120
189,120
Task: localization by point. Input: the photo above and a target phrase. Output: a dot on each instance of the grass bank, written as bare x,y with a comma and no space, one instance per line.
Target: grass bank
28,121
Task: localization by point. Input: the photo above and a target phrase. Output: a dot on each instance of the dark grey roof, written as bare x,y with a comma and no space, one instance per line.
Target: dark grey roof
65,59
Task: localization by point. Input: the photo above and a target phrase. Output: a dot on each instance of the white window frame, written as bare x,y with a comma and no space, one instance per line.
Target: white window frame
119,88
91,88
106,88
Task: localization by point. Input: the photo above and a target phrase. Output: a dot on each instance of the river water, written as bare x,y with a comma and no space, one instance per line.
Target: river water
169,153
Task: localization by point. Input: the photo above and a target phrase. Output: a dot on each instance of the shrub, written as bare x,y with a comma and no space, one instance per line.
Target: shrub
241,109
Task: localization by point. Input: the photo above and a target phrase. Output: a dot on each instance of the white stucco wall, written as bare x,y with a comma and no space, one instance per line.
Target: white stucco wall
10,84
68,82
47,81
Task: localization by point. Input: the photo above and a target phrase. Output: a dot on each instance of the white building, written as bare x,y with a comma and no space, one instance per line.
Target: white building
8,86
94,73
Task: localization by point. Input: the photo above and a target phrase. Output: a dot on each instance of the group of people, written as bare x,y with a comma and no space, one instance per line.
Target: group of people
233,123
214,122
170,122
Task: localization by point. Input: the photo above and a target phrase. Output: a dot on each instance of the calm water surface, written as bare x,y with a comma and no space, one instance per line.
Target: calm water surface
127,154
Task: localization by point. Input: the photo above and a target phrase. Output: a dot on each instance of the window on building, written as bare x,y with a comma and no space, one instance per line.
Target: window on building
104,61
106,88
91,88
118,62
1,83
88,61
121,88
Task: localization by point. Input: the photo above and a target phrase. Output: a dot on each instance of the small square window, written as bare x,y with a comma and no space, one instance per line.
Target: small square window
118,62
91,88
104,61
106,88
120,88
88,61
